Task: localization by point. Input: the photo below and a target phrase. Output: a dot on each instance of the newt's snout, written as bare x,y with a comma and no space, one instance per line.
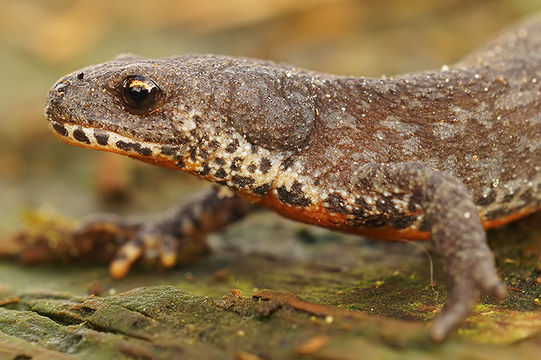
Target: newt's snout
67,111
55,108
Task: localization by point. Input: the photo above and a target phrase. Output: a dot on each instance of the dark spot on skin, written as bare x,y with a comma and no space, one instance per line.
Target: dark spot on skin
181,164
242,180
386,206
219,161
262,190
359,211
197,118
412,205
193,153
179,140
366,181
124,145
251,168
294,196
79,135
80,76
265,165
370,221
527,196
376,221
236,163
426,225
232,147
416,196
221,182
141,150
287,163
101,137
336,203
254,148
220,173
361,203
213,145
60,129
484,201
205,171
402,222
508,197
168,150
203,154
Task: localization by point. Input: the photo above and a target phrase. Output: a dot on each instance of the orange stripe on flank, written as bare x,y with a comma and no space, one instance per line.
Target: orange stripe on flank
318,215
490,224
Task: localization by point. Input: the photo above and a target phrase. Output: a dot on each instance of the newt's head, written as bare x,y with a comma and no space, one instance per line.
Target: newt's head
186,111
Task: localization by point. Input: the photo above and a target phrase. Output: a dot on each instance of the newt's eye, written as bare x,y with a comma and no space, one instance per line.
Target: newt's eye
140,94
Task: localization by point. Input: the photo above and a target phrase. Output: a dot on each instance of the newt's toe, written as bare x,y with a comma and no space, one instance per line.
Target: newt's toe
125,257
118,268
168,251
498,291
453,314
461,299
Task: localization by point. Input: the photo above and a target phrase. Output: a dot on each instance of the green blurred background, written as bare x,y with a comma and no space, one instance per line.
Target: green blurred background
43,40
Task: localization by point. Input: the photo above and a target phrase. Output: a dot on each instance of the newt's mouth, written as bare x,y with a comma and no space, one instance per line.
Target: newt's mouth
99,139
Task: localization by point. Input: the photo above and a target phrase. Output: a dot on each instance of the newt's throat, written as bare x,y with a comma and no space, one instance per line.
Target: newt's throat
226,160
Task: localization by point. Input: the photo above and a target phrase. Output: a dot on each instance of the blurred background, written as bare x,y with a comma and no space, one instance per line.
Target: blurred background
41,40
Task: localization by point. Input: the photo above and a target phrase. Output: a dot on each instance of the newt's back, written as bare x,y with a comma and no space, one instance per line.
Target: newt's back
479,120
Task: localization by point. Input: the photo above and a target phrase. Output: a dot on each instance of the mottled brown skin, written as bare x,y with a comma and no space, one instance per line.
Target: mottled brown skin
438,154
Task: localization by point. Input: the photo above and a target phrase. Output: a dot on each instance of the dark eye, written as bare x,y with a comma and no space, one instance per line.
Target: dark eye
140,93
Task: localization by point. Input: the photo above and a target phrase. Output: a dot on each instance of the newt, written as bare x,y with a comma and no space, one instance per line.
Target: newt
436,155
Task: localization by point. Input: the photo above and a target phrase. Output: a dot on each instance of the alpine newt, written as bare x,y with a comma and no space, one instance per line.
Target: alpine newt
439,155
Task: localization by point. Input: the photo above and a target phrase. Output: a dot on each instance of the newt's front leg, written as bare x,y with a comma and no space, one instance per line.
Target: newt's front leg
162,238
451,217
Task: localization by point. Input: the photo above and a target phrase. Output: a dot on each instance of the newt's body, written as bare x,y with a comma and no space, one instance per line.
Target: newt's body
437,155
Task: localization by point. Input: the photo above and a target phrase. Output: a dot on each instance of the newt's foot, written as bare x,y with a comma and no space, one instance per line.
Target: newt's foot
140,241
175,237
148,245
463,294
